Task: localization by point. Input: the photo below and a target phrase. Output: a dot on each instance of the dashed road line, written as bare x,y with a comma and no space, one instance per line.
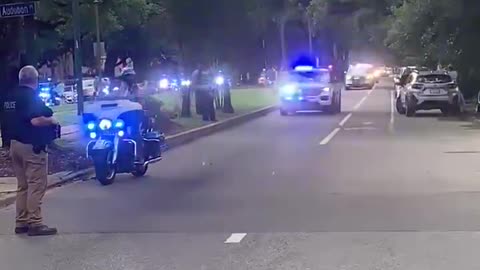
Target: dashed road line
330,136
342,123
235,238
357,106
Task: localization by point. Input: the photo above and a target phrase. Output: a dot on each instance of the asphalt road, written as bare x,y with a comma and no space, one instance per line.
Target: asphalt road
366,189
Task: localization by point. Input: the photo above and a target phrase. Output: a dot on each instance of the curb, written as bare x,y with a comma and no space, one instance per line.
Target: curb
70,177
194,134
172,142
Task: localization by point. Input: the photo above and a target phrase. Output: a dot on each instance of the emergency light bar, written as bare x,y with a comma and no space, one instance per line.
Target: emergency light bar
303,68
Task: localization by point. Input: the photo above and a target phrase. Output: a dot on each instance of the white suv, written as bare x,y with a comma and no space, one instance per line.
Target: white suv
428,90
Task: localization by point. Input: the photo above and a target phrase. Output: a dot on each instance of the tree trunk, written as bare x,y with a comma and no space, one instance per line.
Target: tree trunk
227,101
186,103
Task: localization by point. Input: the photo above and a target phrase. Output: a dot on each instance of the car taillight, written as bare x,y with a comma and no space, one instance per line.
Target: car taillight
417,86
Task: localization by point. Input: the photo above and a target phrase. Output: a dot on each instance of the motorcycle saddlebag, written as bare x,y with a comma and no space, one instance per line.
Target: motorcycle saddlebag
153,142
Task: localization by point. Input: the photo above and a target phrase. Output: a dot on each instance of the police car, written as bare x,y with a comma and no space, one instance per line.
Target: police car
306,88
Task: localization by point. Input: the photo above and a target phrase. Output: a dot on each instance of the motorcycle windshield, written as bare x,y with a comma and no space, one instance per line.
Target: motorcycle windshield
113,93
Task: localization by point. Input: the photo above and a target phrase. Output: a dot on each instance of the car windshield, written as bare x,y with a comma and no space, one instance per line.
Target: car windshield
360,69
319,76
434,78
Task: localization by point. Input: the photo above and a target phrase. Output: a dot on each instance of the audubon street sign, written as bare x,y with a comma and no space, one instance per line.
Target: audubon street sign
17,10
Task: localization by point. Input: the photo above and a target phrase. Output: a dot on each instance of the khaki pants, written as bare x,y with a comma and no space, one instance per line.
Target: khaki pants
31,172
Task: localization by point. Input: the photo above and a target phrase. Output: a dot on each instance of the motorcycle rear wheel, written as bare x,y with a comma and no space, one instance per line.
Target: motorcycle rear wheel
140,170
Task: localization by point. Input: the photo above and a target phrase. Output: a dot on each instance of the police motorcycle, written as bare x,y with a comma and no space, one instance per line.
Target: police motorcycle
46,91
119,133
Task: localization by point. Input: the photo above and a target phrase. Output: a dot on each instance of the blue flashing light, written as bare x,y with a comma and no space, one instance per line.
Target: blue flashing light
119,124
45,89
91,126
93,135
303,68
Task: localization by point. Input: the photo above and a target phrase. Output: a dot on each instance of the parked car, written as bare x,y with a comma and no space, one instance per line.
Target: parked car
428,90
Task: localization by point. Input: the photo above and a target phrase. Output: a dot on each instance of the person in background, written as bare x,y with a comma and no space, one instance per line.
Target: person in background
202,83
31,123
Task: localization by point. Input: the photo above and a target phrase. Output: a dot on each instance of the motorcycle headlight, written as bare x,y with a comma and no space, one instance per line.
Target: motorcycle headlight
105,124
219,80
288,90
164,83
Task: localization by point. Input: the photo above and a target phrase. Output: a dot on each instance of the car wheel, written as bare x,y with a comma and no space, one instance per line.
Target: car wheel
283,112
444,111
478,109
339,104
332,109
410,110
348,88
399,106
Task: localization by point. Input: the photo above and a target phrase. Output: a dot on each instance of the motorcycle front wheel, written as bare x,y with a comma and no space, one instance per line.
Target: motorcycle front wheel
104,171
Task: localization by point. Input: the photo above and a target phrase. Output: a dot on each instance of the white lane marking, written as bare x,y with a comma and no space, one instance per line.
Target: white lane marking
392,110
360,128
360,103
370,91
235,238
330,136
342,123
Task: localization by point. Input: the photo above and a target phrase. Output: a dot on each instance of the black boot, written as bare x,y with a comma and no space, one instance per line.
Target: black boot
41,230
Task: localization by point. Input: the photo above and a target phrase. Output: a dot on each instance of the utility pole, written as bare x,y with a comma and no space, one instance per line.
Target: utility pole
77,56
264,47
99,50
310,37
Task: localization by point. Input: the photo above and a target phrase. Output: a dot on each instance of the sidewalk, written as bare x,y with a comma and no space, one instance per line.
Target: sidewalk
8,185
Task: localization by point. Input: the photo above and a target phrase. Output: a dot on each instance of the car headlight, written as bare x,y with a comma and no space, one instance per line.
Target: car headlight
44,95
349,77
326,89
370,77
186,82
164,83
288,90
219,80
105,124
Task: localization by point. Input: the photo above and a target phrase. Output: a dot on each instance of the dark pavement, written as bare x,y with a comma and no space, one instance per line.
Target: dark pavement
366,189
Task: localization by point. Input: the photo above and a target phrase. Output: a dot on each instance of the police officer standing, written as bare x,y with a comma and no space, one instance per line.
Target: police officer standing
203,83
31,123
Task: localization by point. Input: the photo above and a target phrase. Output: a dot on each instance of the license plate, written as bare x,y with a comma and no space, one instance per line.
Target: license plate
435,91
101,144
